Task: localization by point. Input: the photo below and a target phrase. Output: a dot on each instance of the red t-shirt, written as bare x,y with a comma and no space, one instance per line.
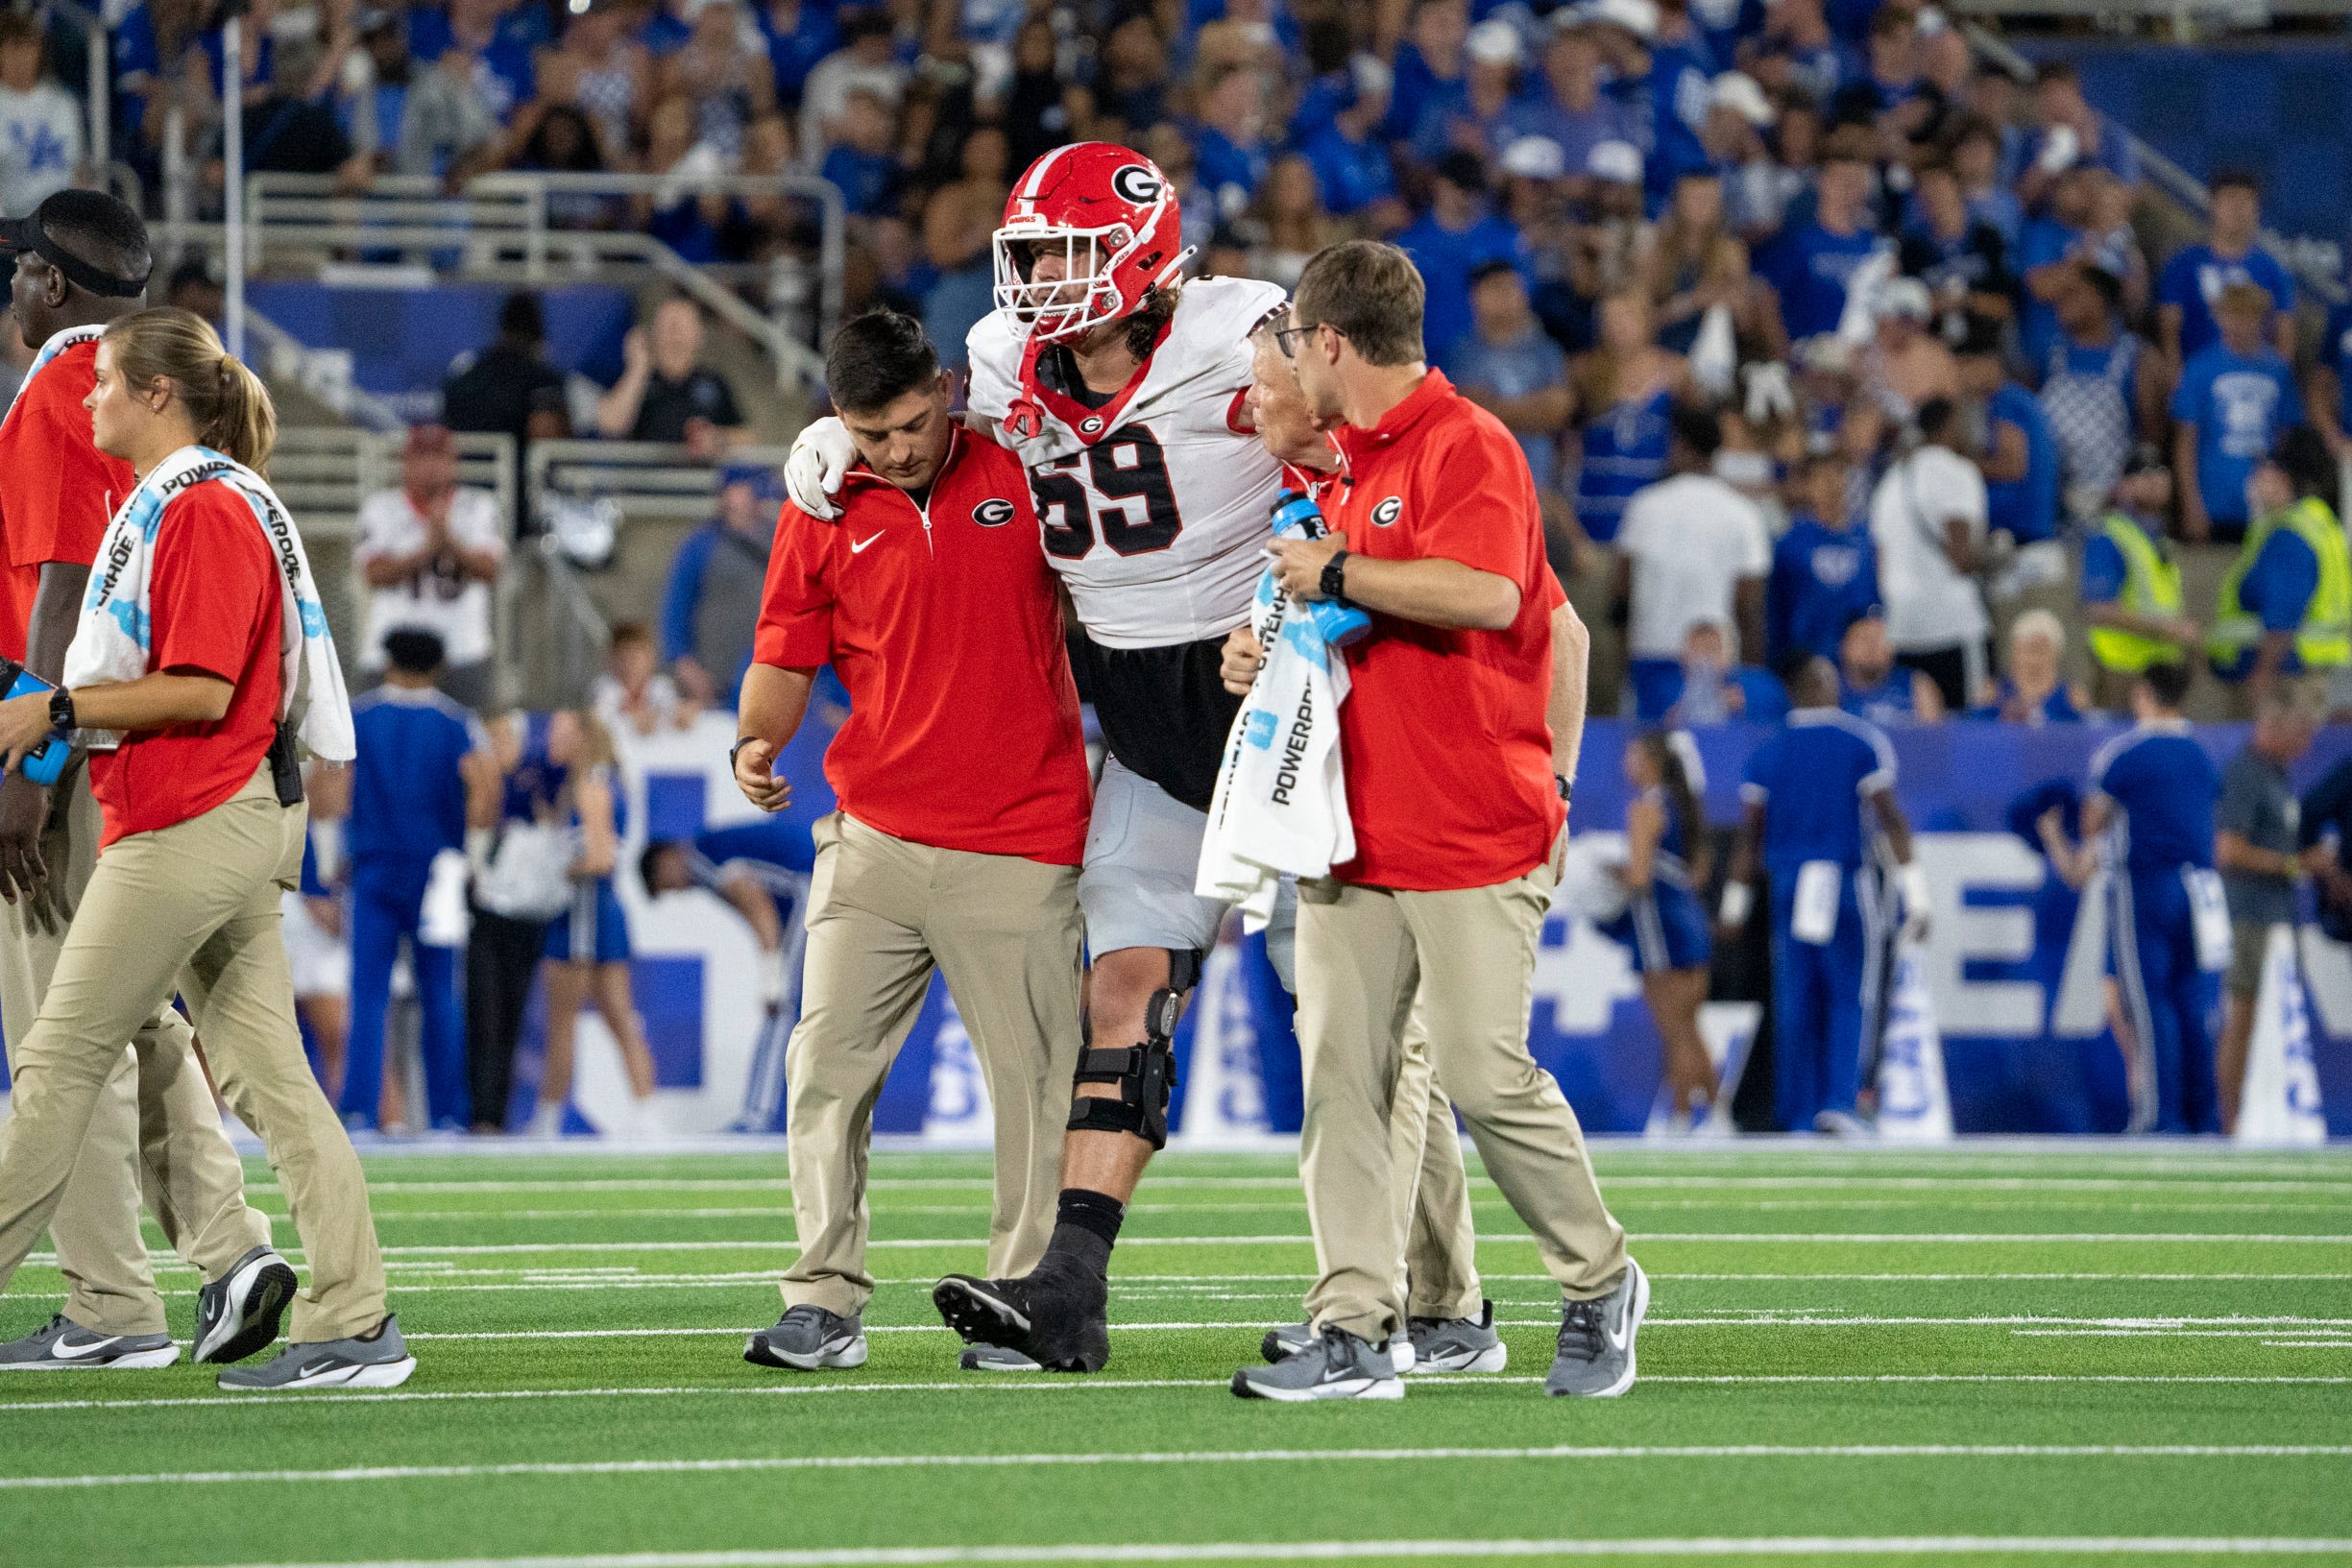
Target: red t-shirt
59,491
215,605
1449,756
941,621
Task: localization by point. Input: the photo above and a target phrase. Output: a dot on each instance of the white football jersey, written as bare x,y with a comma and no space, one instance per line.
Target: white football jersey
1155,507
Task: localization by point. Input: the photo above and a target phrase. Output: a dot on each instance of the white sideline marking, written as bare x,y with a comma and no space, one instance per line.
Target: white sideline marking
982,1382
1701,1545
2252,1327
1256,1456
387,1216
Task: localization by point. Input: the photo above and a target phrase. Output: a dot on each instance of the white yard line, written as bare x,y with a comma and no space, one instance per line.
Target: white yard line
394,1215
1256,1455
984,1382
1640,1546
2253,1327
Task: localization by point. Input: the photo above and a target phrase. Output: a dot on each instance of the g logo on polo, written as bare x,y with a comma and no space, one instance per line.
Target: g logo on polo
1136,183
1091,425
993,514
1388,511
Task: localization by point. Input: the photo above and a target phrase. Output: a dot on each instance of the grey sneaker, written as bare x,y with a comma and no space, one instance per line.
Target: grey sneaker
65,1345
1596,1339
807,1337
239,1312
1286,1339
1458,1344
1336,1365
995,1359
377,1359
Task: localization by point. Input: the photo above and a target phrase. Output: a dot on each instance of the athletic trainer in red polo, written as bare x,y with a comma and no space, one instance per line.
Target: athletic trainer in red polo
1459,826
962,777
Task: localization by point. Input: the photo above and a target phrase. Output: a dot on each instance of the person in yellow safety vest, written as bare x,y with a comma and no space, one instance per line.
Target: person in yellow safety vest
2131,595
2285,608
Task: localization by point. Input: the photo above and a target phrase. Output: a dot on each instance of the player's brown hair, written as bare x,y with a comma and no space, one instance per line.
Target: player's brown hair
1371,292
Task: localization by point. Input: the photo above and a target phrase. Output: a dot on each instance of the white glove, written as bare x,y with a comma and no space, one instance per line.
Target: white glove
1917,902
771,983
821,454
479,843
1769,393
2059,150
1738,898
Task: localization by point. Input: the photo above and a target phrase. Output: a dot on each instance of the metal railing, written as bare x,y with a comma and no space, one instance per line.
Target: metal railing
325,472
99,48
2181,13
644,478
501,219
2315,264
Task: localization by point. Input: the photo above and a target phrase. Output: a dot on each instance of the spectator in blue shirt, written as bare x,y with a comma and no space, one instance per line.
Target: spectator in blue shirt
1429,65
799,32
1825,570
2073,136
1451,240
1350,161
1797,44
863,163
1872,687
1568,106
2053,244
2231,404
2330,404
1976,160
1810,265
504,41
710,607
1232,152
1490,113
1707,689
2021,457
1508,366
2197,274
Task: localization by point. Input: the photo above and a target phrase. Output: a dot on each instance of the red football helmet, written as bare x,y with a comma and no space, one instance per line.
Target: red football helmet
1108,216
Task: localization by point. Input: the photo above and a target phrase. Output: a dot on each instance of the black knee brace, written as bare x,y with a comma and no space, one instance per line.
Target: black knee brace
1145,1075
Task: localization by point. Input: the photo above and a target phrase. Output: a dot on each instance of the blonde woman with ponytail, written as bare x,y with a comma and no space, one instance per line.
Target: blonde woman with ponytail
200,672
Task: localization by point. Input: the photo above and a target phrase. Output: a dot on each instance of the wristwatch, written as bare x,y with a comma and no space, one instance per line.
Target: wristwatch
62,710
1565,785
1334,580
740,742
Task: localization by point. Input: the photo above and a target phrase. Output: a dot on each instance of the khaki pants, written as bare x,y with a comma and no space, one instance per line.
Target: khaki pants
1440,1258
155,1122
194,908
882,913
1367,957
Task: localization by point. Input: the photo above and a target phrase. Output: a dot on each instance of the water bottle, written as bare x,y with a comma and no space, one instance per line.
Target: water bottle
45,762
1295,517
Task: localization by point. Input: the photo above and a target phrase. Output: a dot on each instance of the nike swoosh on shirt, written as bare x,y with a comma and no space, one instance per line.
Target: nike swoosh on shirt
857,545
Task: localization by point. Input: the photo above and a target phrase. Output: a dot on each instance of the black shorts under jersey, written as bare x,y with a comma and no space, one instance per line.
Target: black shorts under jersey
1164,712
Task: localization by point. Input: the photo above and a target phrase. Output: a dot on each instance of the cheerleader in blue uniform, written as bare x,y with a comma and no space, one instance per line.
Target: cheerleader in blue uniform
588,950
1665,861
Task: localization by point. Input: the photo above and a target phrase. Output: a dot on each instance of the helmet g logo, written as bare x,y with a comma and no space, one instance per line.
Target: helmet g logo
993,514
1136,183
1388,511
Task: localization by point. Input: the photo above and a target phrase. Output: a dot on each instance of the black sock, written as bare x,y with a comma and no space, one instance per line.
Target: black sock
1085,1225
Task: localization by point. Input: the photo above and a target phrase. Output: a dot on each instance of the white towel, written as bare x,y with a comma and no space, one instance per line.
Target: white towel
55,345
111,642
1281,801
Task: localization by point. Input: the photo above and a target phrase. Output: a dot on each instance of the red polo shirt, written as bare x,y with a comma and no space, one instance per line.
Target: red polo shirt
60,491
217,606
941,621
1447,752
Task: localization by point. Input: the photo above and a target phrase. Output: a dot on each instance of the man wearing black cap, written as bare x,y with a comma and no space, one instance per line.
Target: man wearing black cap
80,261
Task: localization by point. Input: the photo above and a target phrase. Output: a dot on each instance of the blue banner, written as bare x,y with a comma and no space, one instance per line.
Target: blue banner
2014,984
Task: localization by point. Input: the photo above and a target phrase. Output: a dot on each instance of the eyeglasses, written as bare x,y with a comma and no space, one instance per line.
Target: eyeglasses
1286,337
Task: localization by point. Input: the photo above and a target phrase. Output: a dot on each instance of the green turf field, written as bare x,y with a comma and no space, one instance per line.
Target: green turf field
1975,1355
